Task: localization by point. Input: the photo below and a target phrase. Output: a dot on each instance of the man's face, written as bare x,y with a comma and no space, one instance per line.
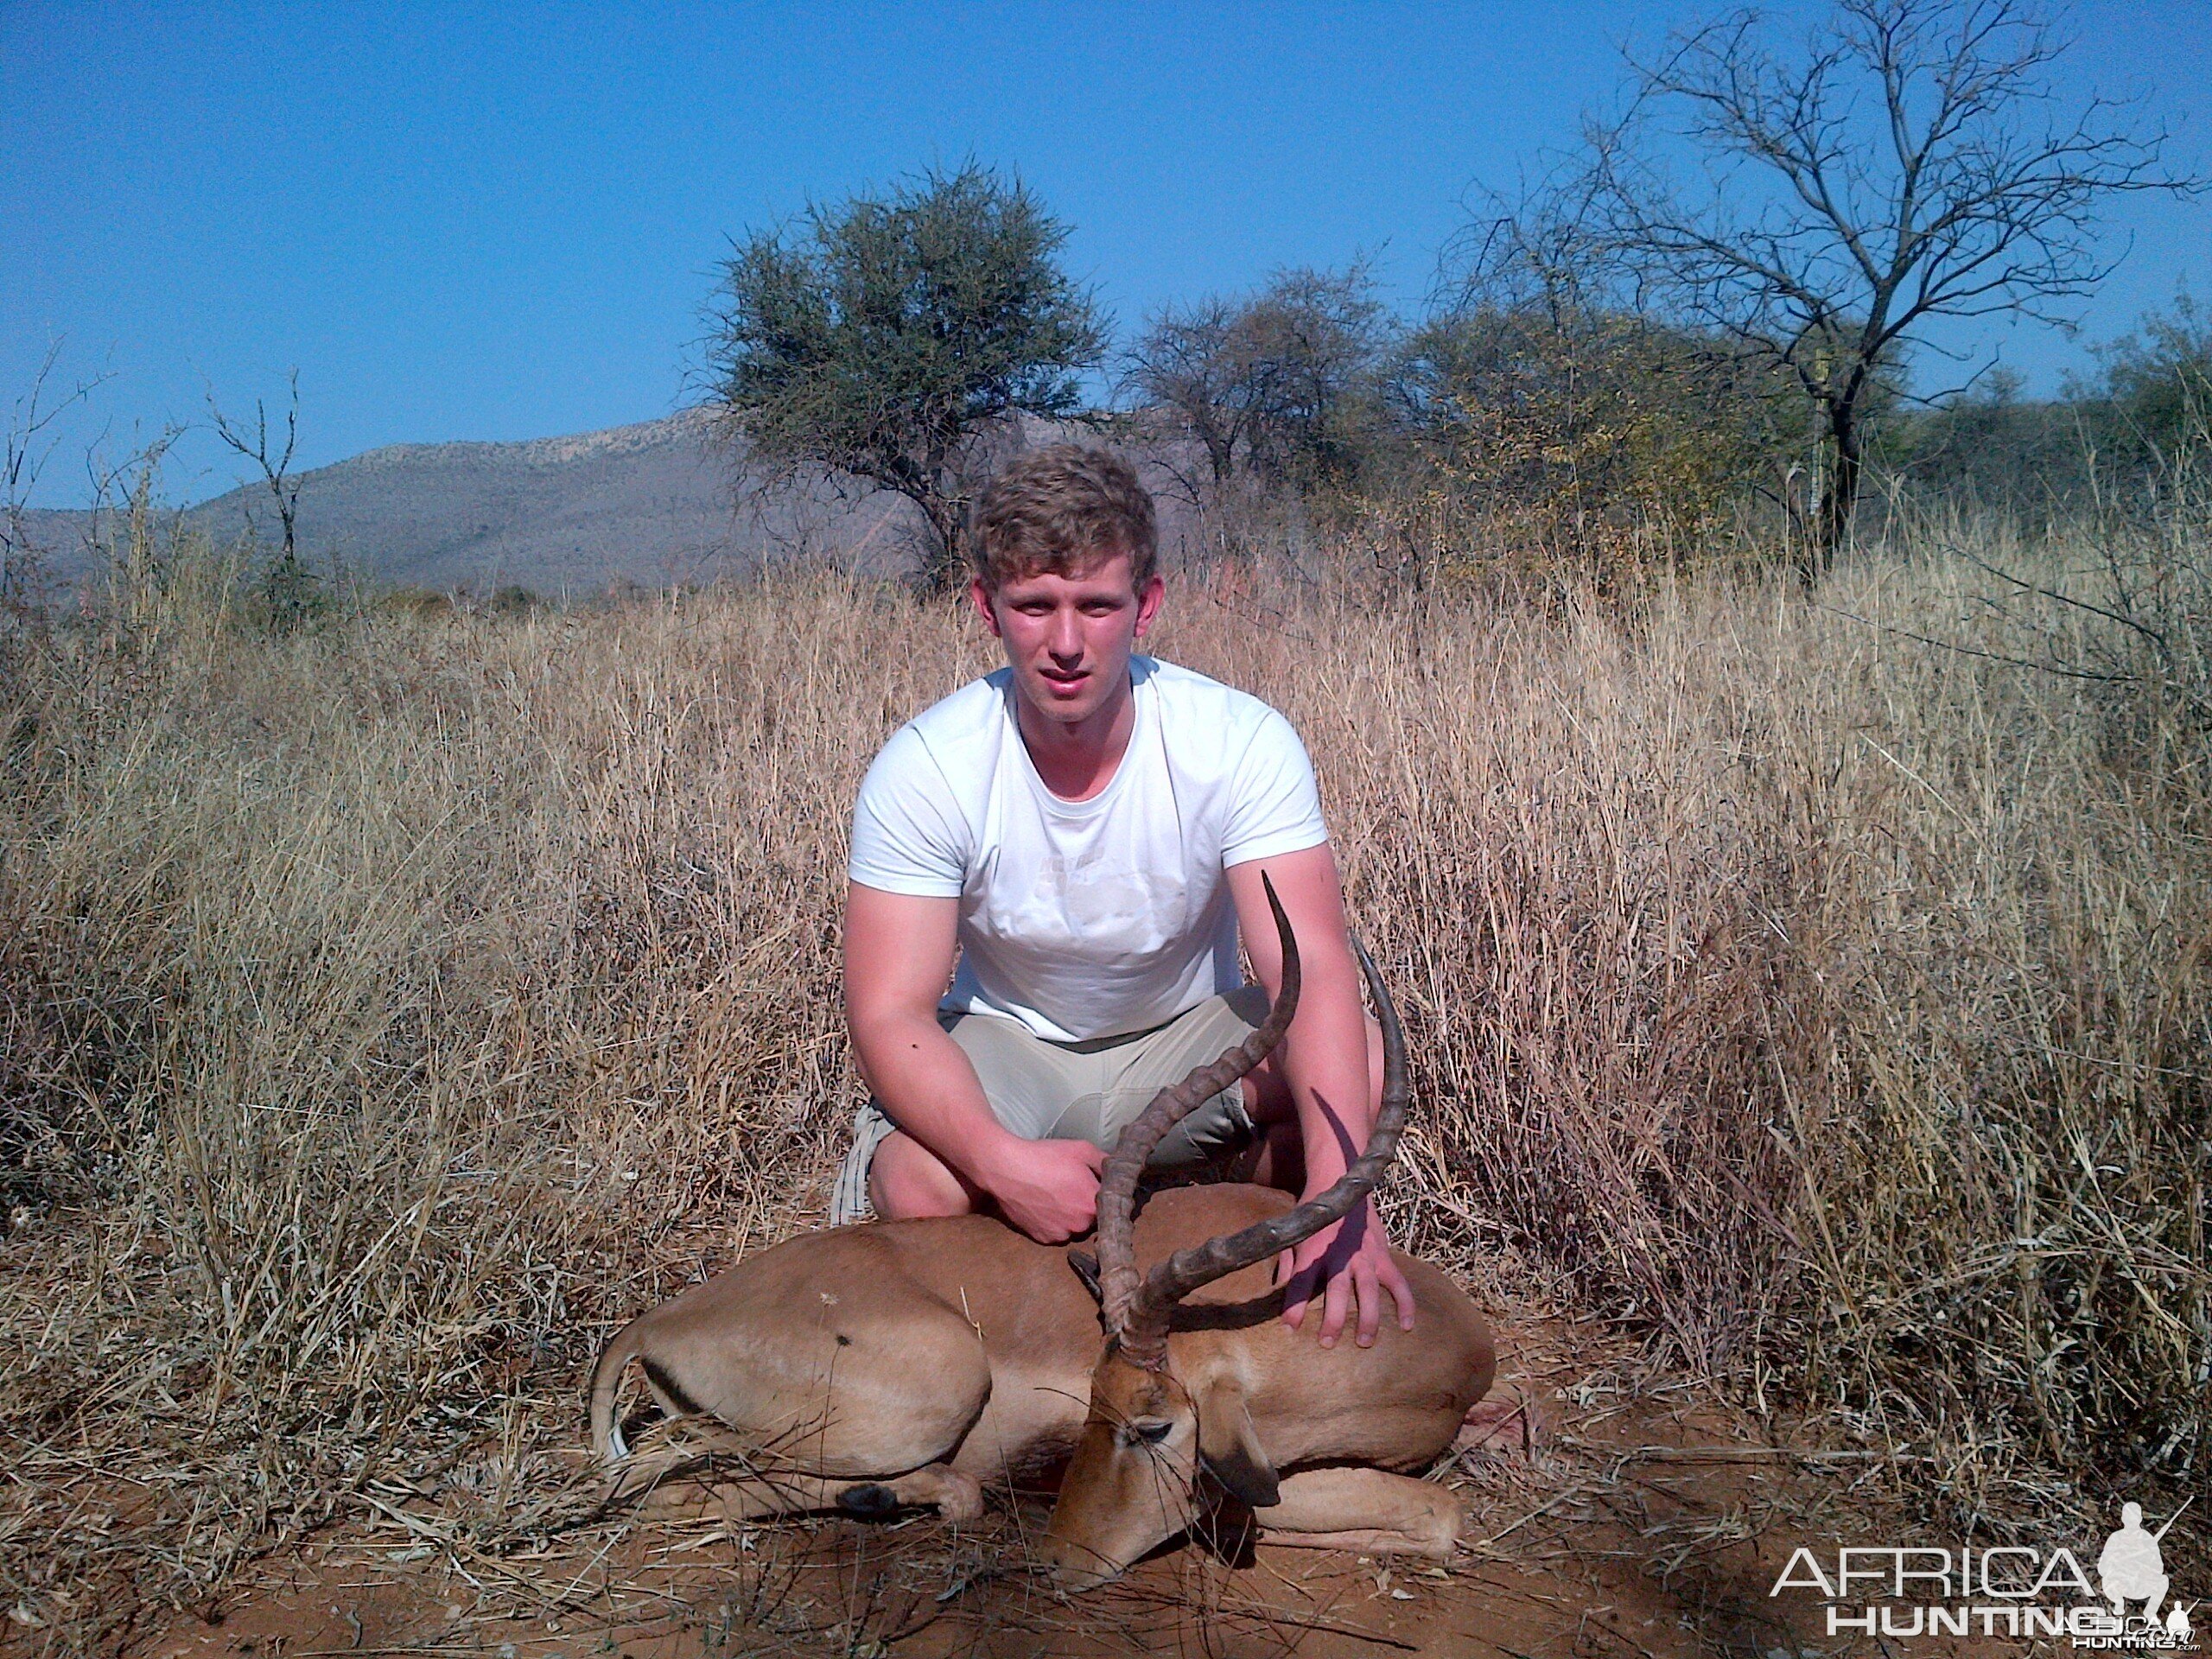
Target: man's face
1069,638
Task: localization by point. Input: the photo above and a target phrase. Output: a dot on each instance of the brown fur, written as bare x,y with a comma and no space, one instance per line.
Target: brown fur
925,1356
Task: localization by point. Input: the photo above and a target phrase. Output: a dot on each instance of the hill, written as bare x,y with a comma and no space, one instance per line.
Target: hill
655,503
647,501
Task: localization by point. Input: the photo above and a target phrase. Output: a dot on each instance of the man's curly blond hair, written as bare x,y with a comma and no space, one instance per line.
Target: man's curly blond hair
1060,510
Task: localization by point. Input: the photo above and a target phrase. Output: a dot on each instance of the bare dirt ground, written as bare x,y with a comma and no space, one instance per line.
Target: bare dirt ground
1613,1513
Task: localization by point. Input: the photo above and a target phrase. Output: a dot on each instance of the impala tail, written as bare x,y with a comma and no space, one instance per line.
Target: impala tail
607,1433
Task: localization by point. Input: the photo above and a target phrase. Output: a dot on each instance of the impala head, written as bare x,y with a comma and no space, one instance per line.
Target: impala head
1153,1430
1132,1483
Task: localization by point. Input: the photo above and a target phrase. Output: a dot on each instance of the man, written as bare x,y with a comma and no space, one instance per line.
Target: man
1087,828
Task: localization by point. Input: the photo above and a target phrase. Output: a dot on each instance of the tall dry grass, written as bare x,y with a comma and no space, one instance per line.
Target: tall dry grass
392,1008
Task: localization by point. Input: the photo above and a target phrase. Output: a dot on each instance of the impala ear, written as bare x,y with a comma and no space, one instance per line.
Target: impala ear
1229,1451
1086,1268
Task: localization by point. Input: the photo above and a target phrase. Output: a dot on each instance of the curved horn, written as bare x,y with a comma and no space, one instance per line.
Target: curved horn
1143,1333
1117,1182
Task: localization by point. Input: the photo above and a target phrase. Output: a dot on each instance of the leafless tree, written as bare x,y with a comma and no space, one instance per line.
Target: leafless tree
1270,382
1184,364
276,472
30,444
1912,162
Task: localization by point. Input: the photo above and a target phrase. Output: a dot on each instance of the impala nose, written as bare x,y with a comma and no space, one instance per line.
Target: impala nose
1075,1567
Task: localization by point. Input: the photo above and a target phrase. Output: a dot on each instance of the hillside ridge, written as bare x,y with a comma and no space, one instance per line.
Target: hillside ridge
656,503
691,424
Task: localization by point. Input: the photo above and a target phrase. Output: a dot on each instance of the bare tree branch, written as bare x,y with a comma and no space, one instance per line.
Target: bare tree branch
30,444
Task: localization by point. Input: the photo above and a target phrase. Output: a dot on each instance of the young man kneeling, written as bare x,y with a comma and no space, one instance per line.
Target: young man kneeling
1085,831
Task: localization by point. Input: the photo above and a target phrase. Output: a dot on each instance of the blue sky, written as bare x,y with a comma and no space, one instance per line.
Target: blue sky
501,222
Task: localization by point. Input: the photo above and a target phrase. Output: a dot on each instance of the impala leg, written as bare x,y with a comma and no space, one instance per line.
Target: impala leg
1365,1509
869,1432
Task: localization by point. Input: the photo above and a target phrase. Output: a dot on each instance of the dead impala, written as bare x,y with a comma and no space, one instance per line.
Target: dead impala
905,1362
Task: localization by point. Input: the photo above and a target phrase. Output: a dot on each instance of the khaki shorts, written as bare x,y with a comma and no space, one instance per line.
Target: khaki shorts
1085,1091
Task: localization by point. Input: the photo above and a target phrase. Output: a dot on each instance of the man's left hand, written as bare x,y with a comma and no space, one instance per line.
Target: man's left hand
1350,1264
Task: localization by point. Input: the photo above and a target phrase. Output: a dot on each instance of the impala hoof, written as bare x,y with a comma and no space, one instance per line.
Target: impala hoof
870,1502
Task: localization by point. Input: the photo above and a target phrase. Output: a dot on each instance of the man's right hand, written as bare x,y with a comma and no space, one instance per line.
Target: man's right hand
899,953
1049,1189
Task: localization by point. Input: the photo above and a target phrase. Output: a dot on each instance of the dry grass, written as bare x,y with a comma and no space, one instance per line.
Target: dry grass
391,1009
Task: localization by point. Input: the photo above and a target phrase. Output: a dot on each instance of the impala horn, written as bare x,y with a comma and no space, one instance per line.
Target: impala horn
1138,1309
1118,1283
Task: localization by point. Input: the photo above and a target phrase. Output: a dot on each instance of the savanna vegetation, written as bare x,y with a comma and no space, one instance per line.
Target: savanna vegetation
1801,912
394,1004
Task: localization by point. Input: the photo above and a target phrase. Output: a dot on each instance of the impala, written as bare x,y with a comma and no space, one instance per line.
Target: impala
898,1363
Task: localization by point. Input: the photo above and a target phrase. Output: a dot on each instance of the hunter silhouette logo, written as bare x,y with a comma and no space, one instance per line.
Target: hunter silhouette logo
2130,1568
2004,1589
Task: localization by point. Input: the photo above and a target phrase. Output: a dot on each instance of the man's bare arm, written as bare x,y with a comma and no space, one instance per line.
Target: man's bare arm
899,954
1324,1061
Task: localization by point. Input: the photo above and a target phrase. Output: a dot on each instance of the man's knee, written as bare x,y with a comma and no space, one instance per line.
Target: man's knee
907,1181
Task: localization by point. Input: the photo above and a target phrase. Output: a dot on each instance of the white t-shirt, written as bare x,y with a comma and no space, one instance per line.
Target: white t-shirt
1088,918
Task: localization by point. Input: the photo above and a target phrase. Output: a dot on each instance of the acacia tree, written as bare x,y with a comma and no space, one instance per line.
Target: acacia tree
290,590
1913,162
1184,365
886,339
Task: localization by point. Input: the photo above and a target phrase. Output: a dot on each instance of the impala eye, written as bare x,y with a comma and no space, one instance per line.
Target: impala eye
1145,1433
